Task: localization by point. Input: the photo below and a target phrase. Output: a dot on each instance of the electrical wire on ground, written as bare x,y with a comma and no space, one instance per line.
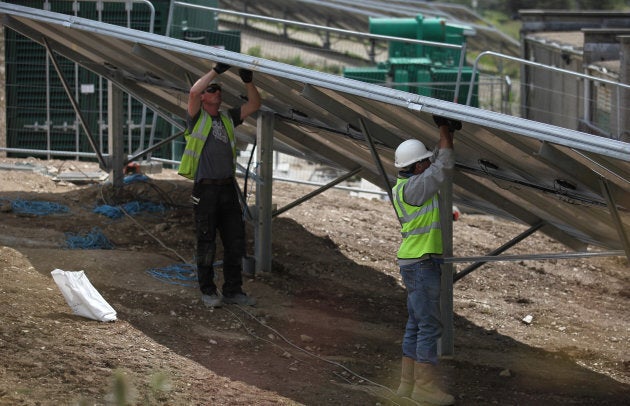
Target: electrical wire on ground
185,275
150,234
122,209
130,182
311,354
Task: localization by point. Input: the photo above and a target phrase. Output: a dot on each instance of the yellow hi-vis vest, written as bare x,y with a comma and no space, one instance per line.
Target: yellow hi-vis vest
421,230
196,141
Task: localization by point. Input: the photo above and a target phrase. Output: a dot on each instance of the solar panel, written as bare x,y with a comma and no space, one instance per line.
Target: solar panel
576,184
354,15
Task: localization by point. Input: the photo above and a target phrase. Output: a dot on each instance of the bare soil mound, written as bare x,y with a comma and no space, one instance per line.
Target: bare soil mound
330,318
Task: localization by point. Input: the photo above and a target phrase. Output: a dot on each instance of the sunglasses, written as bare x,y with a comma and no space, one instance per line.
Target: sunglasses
212,89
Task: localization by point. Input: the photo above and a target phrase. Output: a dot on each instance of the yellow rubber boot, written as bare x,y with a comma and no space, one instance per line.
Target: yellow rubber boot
425,388
406,377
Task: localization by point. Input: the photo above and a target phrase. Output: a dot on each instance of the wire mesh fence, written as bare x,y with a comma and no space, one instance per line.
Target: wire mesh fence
39,112
39,115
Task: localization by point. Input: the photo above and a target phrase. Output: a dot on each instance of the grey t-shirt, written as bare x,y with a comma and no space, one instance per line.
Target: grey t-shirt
217,161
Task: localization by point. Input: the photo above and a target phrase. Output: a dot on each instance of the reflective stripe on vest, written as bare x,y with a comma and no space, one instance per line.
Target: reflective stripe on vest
420,225
197,139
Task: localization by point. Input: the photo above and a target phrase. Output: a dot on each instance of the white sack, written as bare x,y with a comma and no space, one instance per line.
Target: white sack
82,297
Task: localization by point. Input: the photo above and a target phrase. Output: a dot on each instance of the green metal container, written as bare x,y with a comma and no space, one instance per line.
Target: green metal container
366,74
396,27
197,19
445,81
402,76
413,68
427,70
420,28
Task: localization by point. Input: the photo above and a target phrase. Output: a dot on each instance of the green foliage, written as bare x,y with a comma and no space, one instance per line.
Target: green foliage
511,7
296,61
159,385
503,23
123,391
494,65
255,51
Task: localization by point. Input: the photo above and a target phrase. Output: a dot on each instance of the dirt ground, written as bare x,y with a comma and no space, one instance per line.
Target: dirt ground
328,326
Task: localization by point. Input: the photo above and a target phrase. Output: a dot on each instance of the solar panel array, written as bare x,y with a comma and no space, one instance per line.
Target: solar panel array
353,15
574,185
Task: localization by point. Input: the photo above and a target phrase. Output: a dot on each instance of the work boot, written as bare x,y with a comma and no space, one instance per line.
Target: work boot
239,298
406,378
212,300
426,389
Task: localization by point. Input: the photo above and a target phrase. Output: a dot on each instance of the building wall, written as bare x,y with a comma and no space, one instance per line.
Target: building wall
554,97
574,41
623,121
3,100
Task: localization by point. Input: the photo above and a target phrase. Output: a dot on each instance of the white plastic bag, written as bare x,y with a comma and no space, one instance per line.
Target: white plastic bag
82,297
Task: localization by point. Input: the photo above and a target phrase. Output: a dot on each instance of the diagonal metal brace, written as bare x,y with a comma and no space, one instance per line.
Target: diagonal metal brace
499,250
75,106
316,192
377,159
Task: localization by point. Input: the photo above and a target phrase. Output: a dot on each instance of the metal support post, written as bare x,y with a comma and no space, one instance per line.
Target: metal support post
372,52
623,94
616,218
48,122
462,60
264,188
446,344
115,133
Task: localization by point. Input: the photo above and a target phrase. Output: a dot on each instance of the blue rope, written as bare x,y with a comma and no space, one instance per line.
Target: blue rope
179,274
109,211
131,208
137,177
136,207
37,208
92,240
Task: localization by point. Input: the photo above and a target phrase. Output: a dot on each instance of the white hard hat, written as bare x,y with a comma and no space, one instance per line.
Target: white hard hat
410,151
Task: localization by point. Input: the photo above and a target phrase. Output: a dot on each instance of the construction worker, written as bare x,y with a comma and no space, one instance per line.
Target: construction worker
415,195
210,160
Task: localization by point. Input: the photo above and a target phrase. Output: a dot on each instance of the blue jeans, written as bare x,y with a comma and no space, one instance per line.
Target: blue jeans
424,327
218,209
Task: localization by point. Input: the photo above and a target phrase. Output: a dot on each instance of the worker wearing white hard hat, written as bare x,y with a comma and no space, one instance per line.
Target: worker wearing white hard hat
415,197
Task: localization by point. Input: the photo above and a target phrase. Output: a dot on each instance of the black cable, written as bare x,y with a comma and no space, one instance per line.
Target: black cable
554,191
249,163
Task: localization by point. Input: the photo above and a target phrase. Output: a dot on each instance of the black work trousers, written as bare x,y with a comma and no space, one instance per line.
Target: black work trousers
218,208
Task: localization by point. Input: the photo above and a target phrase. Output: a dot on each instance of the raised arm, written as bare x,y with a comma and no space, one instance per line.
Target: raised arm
194,96
253,97
447,128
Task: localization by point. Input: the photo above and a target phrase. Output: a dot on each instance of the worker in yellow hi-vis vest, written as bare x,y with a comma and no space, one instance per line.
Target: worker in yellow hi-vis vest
209,159
415,195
